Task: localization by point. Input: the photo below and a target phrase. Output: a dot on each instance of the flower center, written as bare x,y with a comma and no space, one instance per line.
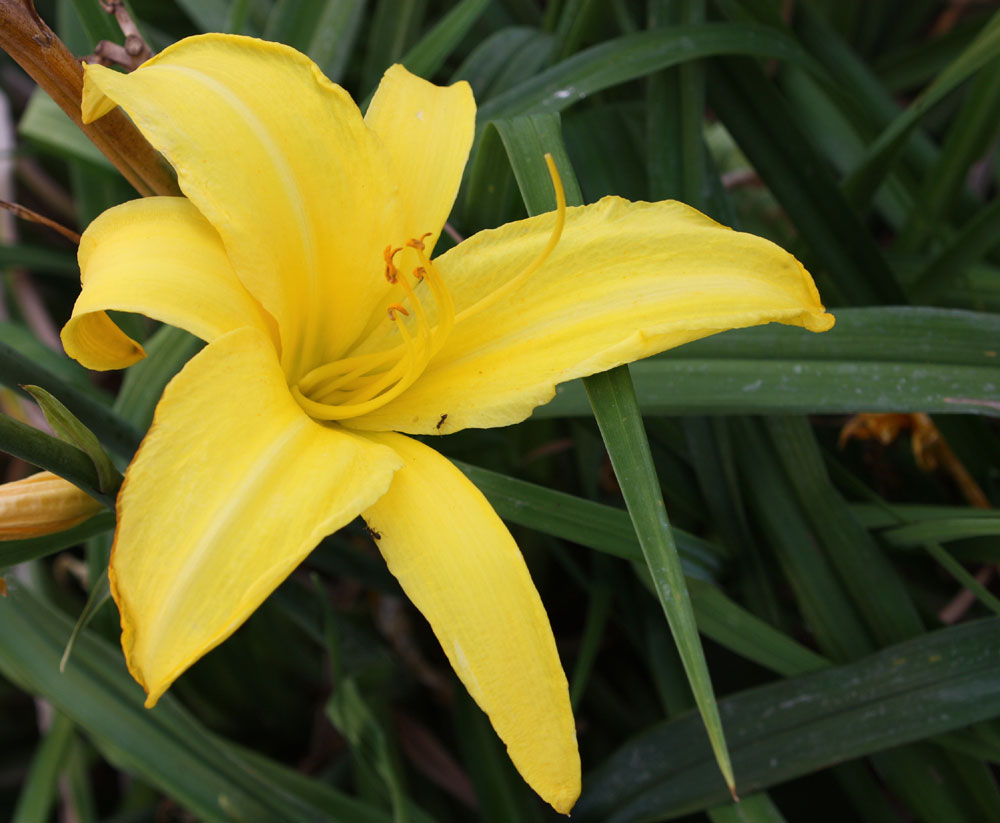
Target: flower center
358,384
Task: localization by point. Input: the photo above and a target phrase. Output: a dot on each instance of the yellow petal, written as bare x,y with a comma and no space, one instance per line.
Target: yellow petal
279,160
428,132
161,258
42,504
459,565
626,281
231,489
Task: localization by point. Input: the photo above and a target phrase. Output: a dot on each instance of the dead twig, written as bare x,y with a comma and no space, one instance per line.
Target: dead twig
34,217
130,56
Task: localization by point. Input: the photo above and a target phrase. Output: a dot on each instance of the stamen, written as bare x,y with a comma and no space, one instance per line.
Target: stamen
390,267
358,384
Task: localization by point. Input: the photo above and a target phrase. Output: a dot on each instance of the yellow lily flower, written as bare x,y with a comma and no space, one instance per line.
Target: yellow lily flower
41,504
302,254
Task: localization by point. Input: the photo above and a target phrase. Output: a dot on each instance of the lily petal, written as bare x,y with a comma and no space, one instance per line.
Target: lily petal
279,160
627,280
459,565
428,132
161,258
233,486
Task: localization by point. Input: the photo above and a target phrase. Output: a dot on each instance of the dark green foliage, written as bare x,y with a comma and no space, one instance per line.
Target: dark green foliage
811,589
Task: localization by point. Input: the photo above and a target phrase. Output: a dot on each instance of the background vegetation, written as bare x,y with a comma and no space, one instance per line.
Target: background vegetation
841,591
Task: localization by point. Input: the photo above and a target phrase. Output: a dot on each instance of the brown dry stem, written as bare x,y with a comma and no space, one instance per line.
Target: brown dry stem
36,48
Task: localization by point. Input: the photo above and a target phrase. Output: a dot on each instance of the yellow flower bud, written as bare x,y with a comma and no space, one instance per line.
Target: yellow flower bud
42,504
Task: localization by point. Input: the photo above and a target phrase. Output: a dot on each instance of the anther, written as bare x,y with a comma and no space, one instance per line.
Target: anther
418,243
394,308
419,272
390,267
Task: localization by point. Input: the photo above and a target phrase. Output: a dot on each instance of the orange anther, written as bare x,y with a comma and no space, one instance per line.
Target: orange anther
394,308
418,243
419,272
390,268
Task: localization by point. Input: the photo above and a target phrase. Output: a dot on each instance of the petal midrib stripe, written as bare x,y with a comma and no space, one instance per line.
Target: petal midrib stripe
293,196
261,472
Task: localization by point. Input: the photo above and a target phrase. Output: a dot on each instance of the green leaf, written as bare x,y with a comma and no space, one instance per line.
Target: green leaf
13,552
892,359
979,523
207,15
435,47
635,55
38,257
167,350
967,140
732,626
968,581
590,524
325,30
617,413
675,111
41,788
527,141
67,427
878,592
503,60
17,370
821,597
932,684
165,746
977,237
100,593
96,22
852,268
47,452
757,808
351,716
49,126
394,26
865,179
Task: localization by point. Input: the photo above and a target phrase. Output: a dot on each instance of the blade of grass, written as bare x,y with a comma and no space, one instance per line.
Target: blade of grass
968,138
616,409
324,30
435,47
852,267
47,452
862,183
611,395
978,236
595,525
17,370
675,103
635,55
957,570
881,359
610,530
757,808
821,598
13,552
41,790
167,350
393,27
935,683
879,594
68,428
166,746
